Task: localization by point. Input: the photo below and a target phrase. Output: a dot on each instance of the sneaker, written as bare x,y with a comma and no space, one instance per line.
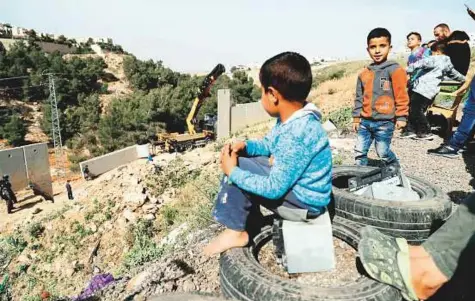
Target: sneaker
407,134
424,137
444,151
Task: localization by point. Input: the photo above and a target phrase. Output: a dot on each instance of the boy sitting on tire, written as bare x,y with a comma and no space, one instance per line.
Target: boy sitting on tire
296,184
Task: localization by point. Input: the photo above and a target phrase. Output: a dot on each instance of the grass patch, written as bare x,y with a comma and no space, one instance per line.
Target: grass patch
337,160
342,118
36,229
193,204
144,249
176,175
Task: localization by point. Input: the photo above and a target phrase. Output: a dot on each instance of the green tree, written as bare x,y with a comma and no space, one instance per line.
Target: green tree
243,88
15,130
61,39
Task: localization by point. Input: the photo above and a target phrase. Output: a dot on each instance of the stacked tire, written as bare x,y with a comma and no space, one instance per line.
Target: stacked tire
243,278
412,220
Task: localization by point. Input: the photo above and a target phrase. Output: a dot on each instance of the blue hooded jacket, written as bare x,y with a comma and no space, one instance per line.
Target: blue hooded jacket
302,161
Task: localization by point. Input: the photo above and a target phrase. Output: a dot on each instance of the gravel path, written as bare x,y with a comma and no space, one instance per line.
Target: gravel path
454,176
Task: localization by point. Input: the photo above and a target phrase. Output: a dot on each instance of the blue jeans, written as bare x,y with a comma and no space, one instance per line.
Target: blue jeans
239,210
381,132
467,123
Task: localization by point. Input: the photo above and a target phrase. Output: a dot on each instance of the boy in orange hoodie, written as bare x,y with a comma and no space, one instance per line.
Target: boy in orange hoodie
382,102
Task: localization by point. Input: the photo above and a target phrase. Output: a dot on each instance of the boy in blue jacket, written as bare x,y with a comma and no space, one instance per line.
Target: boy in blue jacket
297,183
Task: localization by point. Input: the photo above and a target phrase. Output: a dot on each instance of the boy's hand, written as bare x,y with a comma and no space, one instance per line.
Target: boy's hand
400,124
229,159
238,147
356,126
271,160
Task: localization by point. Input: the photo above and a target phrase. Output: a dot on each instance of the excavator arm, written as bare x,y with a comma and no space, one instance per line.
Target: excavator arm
203,94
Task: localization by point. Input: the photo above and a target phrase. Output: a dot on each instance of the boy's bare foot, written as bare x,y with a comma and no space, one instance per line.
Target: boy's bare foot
227,240
426,276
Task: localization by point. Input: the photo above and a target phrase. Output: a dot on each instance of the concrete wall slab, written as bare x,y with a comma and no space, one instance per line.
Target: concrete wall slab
104,163
38,168
12,163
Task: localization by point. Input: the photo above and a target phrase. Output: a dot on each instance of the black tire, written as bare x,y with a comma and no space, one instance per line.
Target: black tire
414,221
184,297
243,278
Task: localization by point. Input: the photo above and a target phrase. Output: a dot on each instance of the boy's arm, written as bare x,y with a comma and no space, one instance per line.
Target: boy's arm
401,98
452,73
258,147
291,159
425,63
466,84
358,101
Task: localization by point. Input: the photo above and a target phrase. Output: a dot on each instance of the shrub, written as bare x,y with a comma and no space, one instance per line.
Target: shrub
342,118
36,229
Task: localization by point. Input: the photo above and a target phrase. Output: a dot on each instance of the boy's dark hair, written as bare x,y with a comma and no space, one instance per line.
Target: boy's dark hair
289,73
428,43
442,25
379,33
418,35
438,47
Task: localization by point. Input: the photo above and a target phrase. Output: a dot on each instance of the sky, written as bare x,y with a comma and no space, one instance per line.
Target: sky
193,36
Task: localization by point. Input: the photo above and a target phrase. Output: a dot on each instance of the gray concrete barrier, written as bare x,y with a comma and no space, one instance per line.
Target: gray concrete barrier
234,118
104,163
28,164
38,168
12,163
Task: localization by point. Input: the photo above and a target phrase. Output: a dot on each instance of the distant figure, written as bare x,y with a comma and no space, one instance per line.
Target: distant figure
70,190
86,173
6,193
8,185
150,159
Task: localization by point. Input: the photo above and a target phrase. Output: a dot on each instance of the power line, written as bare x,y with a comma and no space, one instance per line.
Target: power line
27,76
19,88
14,77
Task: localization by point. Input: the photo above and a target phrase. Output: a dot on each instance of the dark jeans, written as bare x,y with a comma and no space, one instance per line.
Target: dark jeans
417,113
447,244
70,195
381,131
466,126
237,209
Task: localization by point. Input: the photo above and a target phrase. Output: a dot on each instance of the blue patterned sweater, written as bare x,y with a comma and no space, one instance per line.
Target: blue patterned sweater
302,161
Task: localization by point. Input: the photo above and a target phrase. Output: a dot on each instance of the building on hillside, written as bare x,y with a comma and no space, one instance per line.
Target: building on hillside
84,40
19,32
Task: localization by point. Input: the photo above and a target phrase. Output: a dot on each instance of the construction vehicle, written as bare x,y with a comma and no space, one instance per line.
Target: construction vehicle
175,142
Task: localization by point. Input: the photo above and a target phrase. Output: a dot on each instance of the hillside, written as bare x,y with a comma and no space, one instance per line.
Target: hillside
117,223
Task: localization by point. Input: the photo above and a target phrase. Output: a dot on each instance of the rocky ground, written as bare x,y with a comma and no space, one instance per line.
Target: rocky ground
94,235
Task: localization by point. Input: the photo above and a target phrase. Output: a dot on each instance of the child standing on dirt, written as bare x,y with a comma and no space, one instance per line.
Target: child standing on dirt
297,183
414,40
381,103
426,87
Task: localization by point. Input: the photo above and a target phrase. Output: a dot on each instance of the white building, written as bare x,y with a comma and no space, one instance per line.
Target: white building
19,32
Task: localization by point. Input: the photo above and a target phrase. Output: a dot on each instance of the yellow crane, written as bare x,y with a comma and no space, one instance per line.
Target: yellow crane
172,142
